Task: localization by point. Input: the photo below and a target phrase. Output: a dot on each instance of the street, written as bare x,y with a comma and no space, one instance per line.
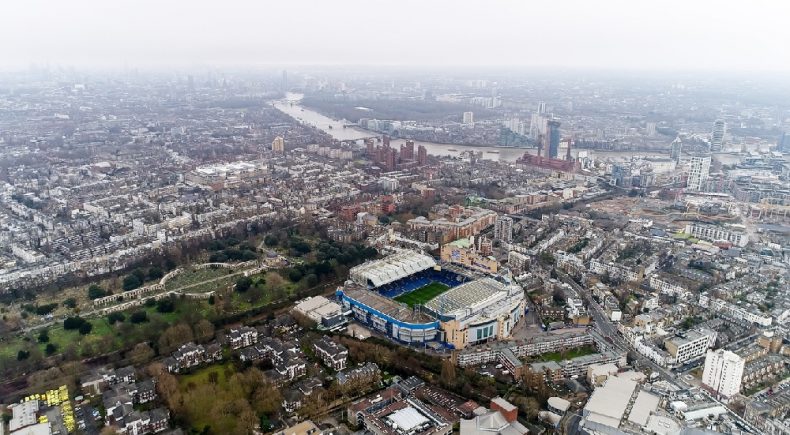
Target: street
609,331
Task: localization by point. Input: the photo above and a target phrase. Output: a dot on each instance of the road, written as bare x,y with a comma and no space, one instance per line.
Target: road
609,331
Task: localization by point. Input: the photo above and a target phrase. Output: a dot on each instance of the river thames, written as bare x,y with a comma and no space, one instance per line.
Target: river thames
290,105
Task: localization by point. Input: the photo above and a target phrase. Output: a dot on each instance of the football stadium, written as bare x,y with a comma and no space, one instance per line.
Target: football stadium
410,298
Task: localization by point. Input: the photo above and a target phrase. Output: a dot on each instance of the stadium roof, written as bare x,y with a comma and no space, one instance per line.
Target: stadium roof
392,268
466,296
387,307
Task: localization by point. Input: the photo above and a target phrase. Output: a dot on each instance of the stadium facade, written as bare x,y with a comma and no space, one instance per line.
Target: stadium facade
469,311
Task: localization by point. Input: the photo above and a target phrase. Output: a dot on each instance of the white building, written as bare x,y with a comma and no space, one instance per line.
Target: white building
717,135
503,229
690,345
715,233
740,313
698,173
469,118
676,150
614,270
723,372
667,287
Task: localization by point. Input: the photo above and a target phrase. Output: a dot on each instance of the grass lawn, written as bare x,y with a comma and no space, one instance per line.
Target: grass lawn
170,318
63,338
568,354
9,347
200,376
422,294
194,276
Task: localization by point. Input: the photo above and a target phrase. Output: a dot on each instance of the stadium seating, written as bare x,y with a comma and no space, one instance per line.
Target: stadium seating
413,282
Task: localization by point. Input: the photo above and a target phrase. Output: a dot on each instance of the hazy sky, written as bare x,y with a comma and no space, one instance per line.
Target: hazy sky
666,34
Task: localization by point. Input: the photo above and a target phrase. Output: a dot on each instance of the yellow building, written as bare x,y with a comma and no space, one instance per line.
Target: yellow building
463,252
278,145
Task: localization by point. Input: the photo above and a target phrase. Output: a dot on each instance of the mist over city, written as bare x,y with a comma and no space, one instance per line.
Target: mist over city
394,218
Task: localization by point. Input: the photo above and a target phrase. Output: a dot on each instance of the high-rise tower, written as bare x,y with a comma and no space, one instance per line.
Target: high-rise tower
723,372
553,139
717,135
677,148
698,173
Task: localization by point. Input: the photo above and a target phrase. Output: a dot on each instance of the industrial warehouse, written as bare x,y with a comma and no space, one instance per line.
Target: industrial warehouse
412,299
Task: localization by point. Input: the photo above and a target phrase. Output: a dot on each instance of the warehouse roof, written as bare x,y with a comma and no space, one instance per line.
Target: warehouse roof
407,419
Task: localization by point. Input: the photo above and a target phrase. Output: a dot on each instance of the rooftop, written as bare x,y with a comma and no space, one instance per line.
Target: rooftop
392,268
608,403
407,419
467,295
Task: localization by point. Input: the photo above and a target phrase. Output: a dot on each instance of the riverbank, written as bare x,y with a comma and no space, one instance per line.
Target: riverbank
339,130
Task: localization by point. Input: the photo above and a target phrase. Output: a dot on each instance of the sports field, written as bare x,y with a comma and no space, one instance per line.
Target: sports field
422,294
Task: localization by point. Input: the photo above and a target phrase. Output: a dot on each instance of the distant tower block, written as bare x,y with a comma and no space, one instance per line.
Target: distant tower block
553,139
699,170
469,118
676,149
717,135
503,229
650,129
278,145
422,155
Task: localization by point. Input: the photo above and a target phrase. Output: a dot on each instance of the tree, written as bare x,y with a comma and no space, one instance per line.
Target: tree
22,355
167,387
243,284
166,305
141,354
43,378
86,328
546,258
155,272
173,337
72,323
300,246
43,336
558,296
311,280
70,303
131,282
50,349
115,317
140,274
204,330
96,292
274,280
108,430
448,375
41,310
139,317
531,408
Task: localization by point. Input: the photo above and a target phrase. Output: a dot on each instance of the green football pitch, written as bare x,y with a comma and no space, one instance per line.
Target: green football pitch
422,294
